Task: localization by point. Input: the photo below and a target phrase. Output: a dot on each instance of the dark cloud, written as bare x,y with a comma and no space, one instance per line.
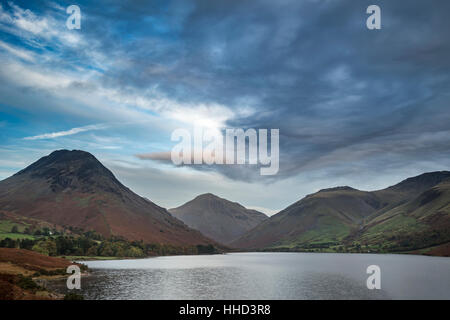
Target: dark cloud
341,95
312,69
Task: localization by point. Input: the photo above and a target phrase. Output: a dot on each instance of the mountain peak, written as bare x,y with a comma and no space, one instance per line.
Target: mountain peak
59,156
339,188
75,154
74,169
422,182
207,196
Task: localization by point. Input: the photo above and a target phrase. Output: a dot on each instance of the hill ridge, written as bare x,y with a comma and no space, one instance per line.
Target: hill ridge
336,216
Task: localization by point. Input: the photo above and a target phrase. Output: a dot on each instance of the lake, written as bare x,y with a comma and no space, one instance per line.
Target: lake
268,276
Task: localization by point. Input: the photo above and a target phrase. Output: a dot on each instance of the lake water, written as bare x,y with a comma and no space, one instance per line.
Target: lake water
268,276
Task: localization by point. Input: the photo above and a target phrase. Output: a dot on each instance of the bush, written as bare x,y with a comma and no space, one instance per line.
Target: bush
135,252
208,249
27,283
73,296
47,247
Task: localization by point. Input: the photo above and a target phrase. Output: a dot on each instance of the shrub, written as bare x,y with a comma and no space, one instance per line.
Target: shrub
73,296
27,283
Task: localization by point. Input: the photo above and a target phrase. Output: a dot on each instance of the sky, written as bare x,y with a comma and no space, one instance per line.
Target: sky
358,107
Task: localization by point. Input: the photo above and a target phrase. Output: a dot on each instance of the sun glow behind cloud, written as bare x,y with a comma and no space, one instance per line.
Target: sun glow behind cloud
74,83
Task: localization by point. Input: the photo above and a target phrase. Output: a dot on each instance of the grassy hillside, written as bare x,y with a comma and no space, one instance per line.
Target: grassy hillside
412,215
321,219
420,223
15,227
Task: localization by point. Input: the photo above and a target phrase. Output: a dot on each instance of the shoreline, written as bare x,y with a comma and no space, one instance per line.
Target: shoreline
82,259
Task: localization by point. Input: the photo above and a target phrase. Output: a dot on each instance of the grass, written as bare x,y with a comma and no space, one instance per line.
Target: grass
15,236
7,225
395,225
328,232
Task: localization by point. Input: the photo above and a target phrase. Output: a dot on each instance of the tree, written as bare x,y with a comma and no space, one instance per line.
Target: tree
46,231
202,249
14,229
8,243
106,250
26,244
135,252
93,251
47,247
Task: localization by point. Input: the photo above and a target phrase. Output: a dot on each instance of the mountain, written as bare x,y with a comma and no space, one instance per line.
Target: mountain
218,218
408,189
72,188
325,216
345,216
422,222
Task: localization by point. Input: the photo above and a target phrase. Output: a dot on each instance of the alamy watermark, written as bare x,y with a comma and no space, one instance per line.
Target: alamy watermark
374,280
237,146
74,280
74,20
373,22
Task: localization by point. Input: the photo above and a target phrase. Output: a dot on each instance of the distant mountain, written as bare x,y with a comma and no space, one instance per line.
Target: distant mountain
218,218
344,216
72,188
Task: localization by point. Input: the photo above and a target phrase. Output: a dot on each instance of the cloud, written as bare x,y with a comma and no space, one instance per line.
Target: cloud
72,131
159,156
345,99
23,54
26,24
75,72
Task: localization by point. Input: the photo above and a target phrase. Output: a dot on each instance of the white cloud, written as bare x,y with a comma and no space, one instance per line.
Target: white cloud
27,25
39,78
67,133
203,115
23,54
86,88
85,85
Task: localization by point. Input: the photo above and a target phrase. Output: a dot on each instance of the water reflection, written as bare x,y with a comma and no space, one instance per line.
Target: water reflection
267,276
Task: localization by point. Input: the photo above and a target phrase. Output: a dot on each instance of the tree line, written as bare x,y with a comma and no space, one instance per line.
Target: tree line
93,244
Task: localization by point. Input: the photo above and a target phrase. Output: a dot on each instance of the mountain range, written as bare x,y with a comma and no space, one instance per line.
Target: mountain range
73,189
412,214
